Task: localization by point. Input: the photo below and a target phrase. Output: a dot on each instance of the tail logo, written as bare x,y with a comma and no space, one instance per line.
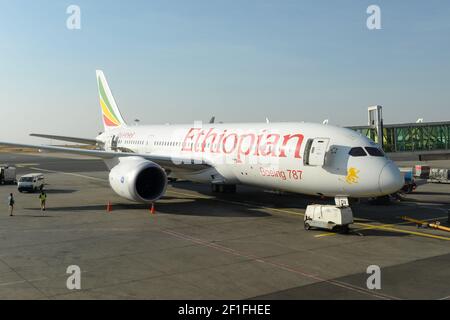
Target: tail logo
109,116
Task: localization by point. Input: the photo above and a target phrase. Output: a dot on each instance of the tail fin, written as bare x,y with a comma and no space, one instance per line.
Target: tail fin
110,112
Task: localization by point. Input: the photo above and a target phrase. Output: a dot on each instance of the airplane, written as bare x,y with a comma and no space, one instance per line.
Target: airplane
297,157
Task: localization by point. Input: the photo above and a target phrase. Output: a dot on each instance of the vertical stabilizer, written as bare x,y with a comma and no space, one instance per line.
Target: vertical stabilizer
111,115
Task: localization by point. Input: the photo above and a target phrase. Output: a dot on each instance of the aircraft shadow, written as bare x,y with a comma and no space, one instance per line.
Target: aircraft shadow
364,212
431,193
59,191
183,207
257,195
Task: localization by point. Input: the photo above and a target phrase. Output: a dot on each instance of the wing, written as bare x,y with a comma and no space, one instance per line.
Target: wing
64,138
180,163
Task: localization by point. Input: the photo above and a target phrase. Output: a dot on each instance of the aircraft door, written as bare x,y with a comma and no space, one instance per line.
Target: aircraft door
317,151
114,140
109,143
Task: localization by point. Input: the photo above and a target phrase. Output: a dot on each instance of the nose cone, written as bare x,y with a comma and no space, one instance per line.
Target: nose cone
391,180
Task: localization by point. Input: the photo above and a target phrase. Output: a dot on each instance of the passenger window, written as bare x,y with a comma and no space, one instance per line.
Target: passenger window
374,152
357,152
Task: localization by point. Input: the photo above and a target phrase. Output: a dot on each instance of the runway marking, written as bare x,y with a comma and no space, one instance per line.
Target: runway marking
3,284
377,226
22,165
277,265
420,234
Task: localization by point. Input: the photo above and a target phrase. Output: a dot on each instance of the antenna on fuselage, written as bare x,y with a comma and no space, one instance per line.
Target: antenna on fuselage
325,122
267,120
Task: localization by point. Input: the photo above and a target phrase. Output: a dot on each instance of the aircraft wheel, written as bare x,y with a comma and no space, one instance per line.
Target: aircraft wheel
345,229
230,188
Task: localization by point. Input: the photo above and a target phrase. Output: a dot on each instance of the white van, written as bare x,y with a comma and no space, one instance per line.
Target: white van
31,182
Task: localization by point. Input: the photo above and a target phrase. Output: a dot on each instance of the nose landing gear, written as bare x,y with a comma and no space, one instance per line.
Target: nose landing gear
223,188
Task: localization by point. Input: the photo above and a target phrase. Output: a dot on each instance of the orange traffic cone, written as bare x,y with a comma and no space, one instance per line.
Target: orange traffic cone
109,207
152,209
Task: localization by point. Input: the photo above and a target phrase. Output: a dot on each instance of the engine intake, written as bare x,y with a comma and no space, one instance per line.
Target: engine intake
137,179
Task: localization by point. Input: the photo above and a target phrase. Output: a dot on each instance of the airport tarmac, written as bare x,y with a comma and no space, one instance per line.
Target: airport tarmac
249,245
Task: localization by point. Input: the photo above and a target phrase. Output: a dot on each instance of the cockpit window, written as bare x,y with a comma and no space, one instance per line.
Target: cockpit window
375,152
357,152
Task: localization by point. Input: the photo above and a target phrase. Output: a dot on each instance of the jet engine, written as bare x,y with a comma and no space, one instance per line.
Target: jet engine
138,180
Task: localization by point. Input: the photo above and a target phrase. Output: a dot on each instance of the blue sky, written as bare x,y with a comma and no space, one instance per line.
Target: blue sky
186,60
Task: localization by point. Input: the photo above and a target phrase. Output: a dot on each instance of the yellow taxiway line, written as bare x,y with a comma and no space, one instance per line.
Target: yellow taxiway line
420,234
391,227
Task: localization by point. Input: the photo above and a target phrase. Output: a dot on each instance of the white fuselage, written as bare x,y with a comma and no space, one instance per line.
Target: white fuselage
296,157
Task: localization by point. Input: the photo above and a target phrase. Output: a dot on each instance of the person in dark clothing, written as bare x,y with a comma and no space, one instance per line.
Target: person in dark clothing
11,202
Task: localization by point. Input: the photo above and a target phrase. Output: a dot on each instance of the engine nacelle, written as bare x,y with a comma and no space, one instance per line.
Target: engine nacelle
139,180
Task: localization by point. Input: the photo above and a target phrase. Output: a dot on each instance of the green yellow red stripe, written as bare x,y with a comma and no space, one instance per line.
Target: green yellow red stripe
108,112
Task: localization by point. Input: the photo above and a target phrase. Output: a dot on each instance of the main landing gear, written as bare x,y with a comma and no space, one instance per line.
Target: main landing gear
381,201
223,188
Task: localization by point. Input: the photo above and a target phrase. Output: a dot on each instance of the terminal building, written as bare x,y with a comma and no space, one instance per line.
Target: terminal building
418,138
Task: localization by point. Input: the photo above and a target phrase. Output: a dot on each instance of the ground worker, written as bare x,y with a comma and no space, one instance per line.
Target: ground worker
11,204
43,197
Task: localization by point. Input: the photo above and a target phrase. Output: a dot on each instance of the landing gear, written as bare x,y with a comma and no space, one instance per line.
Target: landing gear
381,201
345,229
223,188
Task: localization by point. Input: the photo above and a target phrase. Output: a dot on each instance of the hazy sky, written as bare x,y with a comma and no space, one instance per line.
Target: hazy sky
186,60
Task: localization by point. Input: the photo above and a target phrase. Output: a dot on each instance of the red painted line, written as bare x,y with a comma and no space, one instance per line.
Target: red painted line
278,265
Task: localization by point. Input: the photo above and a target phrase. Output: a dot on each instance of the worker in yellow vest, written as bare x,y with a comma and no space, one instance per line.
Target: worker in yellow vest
43,198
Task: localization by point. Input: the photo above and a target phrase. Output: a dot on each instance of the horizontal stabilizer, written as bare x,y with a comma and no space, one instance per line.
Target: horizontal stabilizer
68,139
